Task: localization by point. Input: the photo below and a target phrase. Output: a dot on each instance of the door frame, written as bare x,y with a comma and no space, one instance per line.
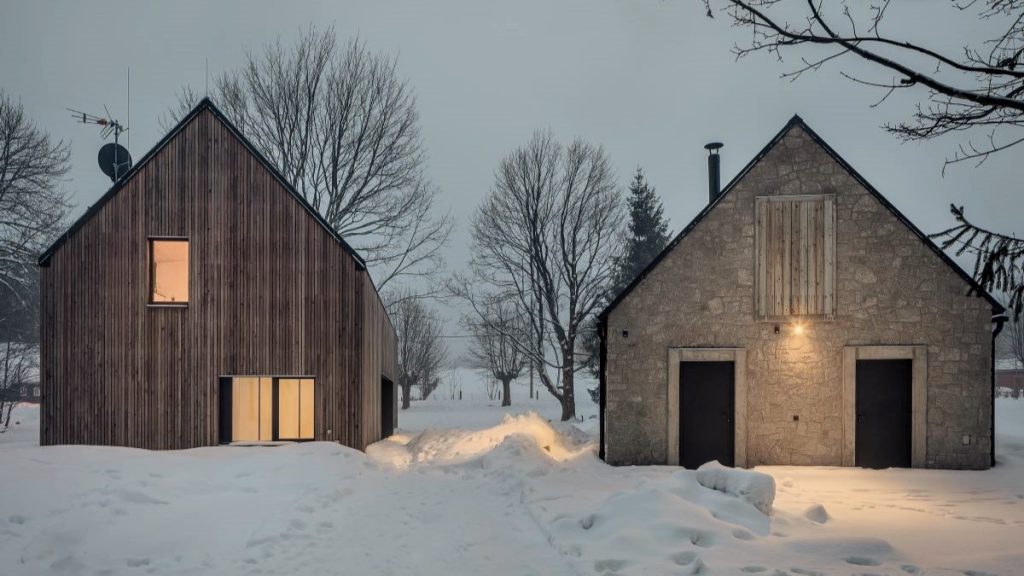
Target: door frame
918,354
738,356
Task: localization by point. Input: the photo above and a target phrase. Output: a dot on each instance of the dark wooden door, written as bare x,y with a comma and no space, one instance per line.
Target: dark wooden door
387,408
884,413
706,404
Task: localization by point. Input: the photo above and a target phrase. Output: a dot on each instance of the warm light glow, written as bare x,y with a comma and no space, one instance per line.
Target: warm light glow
295,408
169,271
798,328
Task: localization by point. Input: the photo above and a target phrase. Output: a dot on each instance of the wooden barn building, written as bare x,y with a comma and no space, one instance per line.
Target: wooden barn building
203,301
800,318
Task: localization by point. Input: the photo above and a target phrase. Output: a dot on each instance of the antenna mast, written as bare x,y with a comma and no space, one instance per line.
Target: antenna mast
119,160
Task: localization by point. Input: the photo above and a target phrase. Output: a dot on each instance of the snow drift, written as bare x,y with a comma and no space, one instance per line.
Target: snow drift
754,487
519,496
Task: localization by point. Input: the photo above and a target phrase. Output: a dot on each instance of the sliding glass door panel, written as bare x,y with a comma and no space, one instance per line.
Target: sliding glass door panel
245,409
306,409
266,409
287,408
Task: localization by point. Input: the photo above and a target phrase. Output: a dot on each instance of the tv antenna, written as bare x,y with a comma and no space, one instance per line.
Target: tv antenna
114,159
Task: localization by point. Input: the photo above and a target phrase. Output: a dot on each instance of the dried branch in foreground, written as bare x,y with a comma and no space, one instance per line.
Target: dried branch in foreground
980,88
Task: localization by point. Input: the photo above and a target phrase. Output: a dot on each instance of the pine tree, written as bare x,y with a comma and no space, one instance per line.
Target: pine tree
648,232
647,236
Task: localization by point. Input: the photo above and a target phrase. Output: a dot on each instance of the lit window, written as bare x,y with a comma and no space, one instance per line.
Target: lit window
795,264
168,273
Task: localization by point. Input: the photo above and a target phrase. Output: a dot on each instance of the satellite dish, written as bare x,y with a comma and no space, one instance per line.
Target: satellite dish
114,160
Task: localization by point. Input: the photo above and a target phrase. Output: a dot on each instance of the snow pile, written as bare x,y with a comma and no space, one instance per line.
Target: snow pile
526,435
524,496
754,487
816,513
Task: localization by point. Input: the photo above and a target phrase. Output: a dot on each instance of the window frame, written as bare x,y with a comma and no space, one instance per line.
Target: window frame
829,226
151,271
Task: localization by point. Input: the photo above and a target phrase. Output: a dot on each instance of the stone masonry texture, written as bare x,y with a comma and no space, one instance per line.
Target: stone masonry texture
891,289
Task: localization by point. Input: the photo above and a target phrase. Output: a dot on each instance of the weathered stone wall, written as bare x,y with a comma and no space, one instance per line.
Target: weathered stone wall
891,289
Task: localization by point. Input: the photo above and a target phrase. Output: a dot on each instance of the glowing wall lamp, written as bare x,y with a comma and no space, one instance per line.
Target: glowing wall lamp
798,328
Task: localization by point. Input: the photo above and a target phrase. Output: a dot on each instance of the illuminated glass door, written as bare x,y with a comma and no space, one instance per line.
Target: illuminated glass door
252,405
295,408
266,408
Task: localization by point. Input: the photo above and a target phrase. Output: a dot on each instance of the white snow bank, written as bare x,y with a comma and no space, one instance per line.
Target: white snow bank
756,488
526,435
523,497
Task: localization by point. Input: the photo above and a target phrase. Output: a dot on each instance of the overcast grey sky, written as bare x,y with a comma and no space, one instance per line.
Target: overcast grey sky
650,80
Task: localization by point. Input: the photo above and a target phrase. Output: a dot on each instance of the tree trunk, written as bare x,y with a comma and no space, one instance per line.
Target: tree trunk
406,390
506,400
568,398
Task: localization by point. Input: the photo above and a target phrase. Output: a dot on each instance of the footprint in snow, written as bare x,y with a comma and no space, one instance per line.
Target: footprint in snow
741,534
17,519
862,561
910,569
684,558
753,569
806,572
610,566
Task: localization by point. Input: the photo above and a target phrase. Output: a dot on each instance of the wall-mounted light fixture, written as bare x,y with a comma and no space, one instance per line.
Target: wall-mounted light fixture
798,328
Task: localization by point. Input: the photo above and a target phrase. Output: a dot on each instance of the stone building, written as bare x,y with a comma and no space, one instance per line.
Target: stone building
799,319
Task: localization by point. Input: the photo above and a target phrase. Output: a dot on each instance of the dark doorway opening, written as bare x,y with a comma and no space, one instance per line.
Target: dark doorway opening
387,407
884,413
225,410
707,394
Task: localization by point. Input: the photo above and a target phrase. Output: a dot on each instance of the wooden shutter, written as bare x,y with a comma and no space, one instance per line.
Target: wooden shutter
795,260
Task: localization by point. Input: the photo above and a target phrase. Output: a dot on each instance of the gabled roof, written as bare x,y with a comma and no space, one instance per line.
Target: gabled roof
795,121
204,104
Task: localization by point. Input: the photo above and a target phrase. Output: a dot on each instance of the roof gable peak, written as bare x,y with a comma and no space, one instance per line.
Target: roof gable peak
204,104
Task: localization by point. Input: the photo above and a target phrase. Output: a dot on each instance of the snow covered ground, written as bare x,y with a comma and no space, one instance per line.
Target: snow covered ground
478,493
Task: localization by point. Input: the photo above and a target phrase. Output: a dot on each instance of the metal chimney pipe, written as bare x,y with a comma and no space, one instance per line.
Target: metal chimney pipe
714,171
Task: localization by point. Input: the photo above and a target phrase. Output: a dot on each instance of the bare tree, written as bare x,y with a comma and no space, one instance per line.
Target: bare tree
342,127
981,87
545,241
494,347
421,349
18,362
33,206
1010,344
492,388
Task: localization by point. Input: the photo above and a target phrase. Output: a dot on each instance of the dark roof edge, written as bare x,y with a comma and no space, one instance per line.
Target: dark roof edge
796,120
997,307
696,219
203,104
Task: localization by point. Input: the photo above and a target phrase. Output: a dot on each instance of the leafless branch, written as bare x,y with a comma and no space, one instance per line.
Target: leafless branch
545,242
342,127
972,89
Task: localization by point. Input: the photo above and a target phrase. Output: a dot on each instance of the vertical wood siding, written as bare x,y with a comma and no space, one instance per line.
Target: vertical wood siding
795,256
271,293
379,361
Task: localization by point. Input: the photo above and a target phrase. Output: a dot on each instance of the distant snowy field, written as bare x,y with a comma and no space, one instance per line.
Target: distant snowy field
465,490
